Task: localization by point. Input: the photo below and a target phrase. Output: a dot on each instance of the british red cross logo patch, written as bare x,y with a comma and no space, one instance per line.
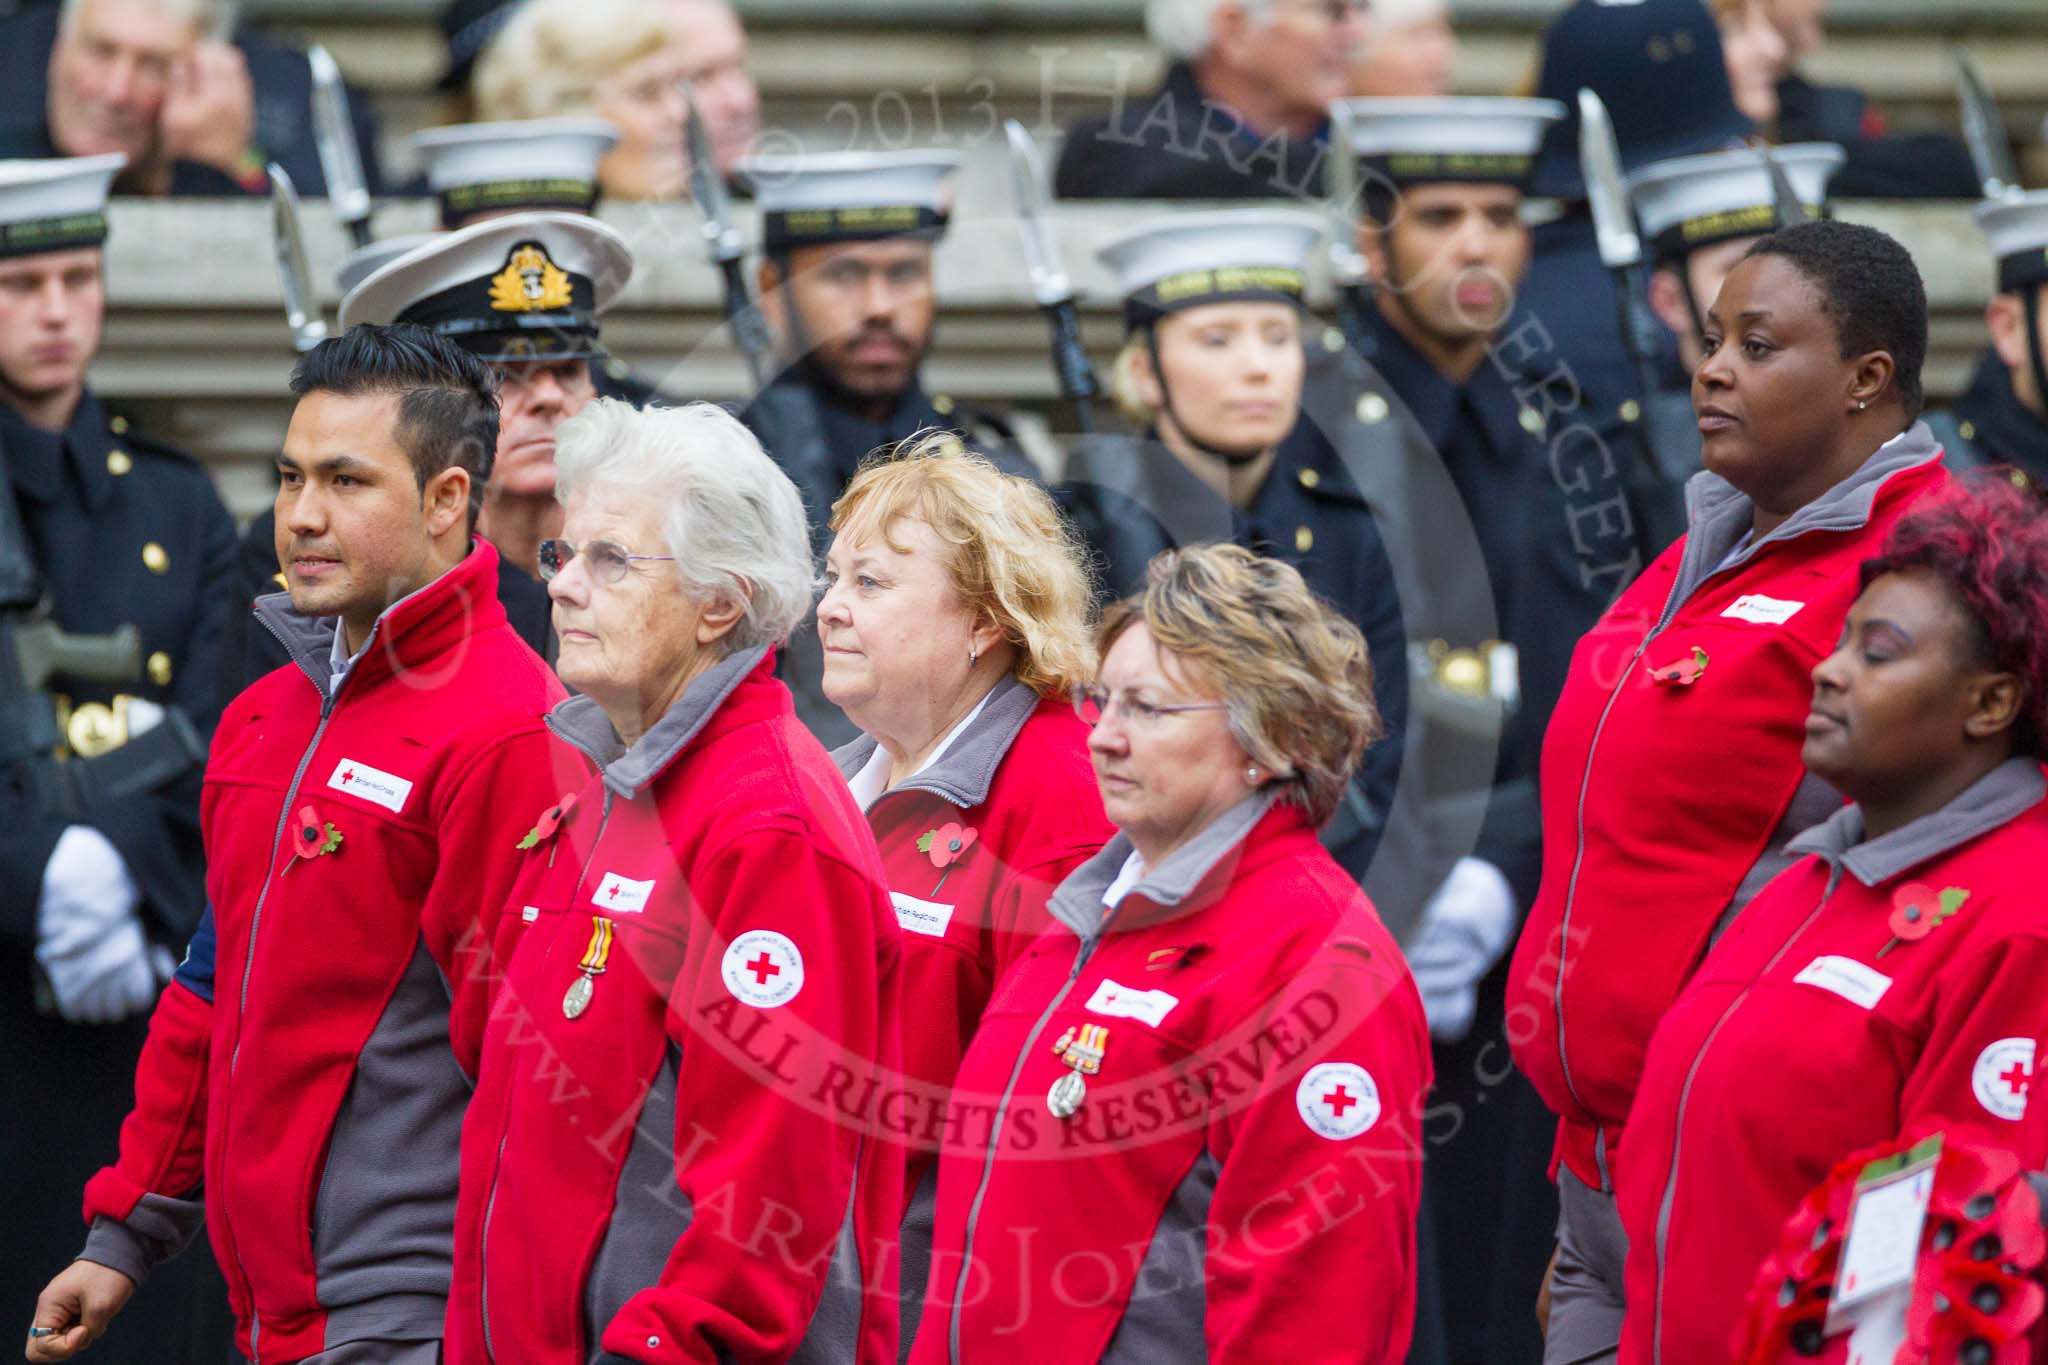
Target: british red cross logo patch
763,968
1338,1100
2001,1076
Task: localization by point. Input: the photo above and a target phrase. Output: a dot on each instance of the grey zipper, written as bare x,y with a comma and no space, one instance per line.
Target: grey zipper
328,703
1684,1095
1571,891
498,1163
988,1163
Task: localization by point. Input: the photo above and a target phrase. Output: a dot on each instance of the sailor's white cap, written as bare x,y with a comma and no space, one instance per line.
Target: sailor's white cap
1689,202
55,203
814,197
520,165
1181,260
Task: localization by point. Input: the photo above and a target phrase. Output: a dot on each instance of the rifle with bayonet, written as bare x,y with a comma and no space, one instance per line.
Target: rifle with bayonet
1049,283
1621,251
341,160
1983,129
1350,272
301,304
725,246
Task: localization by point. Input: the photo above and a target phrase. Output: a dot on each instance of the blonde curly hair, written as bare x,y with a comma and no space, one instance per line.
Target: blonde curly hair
550,56
1014,557
1293,675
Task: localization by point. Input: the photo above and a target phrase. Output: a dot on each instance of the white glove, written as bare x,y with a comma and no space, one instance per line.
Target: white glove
1463,931
90,943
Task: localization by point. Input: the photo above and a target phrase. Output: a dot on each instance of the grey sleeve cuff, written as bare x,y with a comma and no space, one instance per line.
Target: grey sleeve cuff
157,1229
113,1244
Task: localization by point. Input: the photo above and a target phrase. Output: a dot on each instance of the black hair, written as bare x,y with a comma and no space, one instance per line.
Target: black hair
448,399
1869,286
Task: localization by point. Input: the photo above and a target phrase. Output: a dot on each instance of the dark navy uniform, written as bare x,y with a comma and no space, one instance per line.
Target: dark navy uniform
1989,425
1176,143
123,529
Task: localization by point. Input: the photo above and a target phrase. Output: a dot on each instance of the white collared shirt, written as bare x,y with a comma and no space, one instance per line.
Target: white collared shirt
339,660
873,779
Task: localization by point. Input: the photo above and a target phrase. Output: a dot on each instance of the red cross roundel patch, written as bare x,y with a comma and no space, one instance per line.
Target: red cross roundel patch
763,969
2002,1076
1338,1100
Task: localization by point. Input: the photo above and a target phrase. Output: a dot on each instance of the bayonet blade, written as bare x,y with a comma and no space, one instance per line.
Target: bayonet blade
301,308
1348,268
1790,210
334,134
1049,282
1983,129
708,189
1614,226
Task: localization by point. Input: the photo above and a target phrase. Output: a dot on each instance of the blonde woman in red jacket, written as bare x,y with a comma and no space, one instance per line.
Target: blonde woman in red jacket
955,628
1671,778
1890,981
1189,1126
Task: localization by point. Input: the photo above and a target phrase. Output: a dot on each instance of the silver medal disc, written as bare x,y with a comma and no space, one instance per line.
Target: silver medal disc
1064,1099
577,999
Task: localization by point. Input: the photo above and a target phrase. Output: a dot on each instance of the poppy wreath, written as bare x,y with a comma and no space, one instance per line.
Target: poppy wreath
1976,1293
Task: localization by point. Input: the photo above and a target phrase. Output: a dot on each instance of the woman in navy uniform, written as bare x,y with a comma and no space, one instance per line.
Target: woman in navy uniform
101,866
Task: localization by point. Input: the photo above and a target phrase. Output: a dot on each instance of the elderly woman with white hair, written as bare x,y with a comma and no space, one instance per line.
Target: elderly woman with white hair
699,966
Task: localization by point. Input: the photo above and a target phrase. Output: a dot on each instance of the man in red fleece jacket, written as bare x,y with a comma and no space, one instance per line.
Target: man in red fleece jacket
361,809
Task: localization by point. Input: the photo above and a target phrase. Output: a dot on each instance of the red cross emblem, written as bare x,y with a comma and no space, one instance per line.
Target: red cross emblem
1339,1100
762,968
2016,1078
348,777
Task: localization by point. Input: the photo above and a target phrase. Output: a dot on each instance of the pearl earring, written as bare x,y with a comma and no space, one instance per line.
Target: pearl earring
1861,405
1251,776
973,656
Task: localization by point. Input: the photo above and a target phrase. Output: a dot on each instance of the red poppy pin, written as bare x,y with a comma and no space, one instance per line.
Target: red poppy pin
1685,672
1917,908
550,821
311,838
946,846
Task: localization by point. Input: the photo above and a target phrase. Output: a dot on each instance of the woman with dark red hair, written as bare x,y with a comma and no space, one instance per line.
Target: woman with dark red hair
1891,980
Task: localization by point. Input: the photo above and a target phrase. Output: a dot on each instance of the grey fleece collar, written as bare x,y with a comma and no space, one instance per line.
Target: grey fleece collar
2014,786
1077,903
1718,515
581,723
964,772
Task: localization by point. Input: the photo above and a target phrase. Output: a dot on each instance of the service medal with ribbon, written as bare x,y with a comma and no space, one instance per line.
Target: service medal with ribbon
1081,1048
577,998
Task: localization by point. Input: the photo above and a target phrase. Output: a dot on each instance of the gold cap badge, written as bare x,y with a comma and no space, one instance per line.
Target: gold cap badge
530,283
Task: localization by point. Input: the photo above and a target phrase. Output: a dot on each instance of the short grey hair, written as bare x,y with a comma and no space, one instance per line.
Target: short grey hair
209,18
1182,26
730,516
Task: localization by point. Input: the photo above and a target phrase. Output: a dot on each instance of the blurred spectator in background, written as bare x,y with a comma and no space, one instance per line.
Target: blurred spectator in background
1243,112
158,81
712,54
617,59
1882,164
1409,49
1757,55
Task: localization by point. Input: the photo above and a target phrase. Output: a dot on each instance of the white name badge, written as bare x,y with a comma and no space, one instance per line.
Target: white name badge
377,787
621,894
1845,976
1763,611
914,916
1121,1002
